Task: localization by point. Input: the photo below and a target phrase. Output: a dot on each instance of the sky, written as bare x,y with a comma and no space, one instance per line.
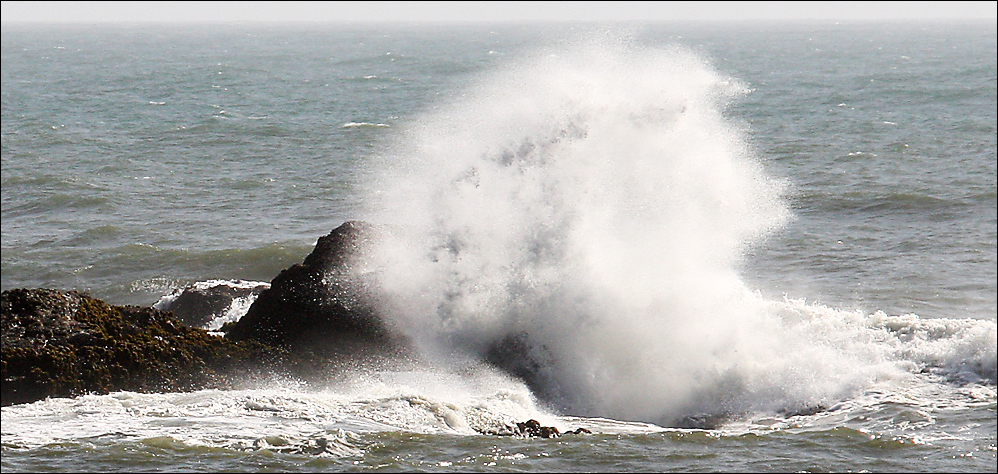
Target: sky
373,11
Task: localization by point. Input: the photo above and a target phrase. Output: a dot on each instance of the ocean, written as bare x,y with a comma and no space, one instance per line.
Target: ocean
787,228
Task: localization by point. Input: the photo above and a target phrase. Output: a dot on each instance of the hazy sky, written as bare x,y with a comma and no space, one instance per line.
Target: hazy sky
14,11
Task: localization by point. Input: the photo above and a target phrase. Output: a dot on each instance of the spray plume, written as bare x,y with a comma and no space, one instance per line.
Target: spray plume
592,206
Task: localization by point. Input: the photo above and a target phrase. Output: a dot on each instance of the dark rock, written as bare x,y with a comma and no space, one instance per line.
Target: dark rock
199,304
320,311
533,429
323,304
702,421
520,356
63,344
803,410
326,305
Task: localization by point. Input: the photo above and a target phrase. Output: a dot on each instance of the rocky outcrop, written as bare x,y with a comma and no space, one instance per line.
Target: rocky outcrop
61,344
314,314
323,304
319,312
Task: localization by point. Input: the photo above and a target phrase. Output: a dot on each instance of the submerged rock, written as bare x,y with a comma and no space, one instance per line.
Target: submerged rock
533,429
63,344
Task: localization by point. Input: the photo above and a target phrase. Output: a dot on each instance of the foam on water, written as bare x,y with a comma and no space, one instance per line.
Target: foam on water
345,419
284,417
597,200
363,124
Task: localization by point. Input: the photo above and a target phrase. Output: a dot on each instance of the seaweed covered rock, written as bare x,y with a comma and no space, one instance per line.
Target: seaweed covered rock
62,344
323,304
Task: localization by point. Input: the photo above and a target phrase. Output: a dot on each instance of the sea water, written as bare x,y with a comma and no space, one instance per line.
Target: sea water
788,228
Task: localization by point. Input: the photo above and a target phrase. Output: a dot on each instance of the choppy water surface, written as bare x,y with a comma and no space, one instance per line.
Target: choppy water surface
790,225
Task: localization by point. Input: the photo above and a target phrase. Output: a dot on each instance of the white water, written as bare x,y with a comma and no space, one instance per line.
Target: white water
597,199
285,416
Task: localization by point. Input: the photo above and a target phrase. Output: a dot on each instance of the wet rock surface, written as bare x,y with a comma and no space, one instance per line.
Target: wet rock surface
61,344
323,304
533,429
312,317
